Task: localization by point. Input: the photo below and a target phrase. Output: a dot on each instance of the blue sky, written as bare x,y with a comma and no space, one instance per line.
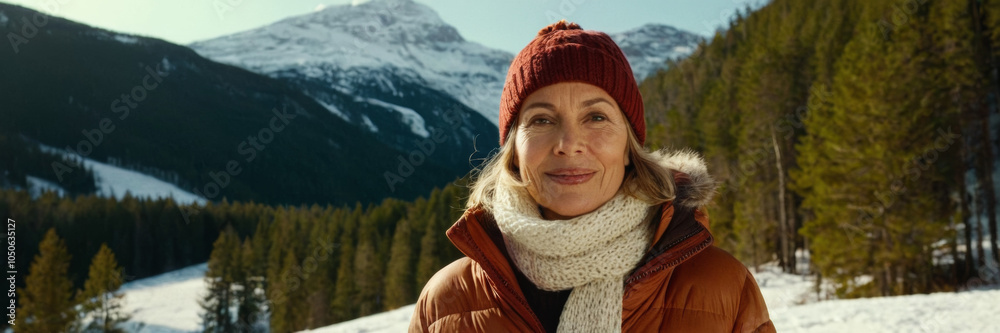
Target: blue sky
507,24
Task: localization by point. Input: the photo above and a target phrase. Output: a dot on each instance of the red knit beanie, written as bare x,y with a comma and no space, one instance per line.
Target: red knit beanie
566,53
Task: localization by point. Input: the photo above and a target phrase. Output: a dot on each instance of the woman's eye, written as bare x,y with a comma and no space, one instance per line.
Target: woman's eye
598,117
541,121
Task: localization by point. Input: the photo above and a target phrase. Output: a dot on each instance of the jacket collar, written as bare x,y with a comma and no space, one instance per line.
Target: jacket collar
682,230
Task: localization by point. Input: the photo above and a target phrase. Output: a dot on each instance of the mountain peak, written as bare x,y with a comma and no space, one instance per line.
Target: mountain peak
384,21
655,28
383,2
649,46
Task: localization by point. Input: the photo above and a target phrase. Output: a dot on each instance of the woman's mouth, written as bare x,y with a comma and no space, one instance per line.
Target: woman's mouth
570,176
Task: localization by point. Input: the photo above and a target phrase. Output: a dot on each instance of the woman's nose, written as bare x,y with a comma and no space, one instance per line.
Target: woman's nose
571,140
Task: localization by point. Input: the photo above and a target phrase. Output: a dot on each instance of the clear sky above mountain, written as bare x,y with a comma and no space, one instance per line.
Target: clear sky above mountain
507,25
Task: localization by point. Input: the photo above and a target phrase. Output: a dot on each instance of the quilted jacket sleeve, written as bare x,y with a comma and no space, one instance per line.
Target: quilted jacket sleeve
752,315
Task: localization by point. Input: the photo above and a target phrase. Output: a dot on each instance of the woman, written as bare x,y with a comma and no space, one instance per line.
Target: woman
573,226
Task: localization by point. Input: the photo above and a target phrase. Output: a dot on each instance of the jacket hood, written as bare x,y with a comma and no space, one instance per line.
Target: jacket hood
695,187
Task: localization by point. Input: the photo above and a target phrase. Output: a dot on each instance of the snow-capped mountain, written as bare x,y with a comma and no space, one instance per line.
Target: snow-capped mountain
650,46
375,46
390,67
379,42
211,130
375,41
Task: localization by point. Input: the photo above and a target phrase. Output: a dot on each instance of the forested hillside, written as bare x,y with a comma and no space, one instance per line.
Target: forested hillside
858,130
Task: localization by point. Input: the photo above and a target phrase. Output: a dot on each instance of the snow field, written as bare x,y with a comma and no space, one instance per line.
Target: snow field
115,181
169,303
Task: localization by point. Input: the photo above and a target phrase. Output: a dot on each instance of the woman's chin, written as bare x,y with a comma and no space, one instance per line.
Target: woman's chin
565,212
568,201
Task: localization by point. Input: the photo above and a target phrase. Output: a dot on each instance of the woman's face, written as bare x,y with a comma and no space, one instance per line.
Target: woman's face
571,148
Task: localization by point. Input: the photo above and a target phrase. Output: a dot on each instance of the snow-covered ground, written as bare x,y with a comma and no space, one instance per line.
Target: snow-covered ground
169,303
970,311
37,186
166,303
795,307
397,320
115,181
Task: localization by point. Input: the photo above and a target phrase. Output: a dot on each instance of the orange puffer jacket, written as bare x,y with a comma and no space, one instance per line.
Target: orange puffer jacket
683,284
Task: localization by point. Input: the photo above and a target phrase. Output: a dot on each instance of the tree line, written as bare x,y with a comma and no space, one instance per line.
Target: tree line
281,268
315,266
856,130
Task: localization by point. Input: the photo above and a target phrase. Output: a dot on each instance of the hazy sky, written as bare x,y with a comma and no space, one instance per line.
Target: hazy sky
506,24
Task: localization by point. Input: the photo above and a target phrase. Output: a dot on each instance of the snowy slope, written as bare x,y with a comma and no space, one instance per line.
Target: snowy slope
971,311
168,303
410,117
397,320
115,181
795,308
36,186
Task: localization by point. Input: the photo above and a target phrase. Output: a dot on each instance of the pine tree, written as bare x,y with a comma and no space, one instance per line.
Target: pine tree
278,235
399,272
47,300
289,314
429,261
961,93
100,298
223,270
249,295
261,247
343,304
368,273
317,267
985,49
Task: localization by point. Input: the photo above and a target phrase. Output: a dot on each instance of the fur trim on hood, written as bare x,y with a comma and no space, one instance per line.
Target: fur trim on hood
699,191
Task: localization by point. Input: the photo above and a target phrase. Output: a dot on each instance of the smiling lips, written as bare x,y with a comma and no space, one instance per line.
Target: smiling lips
570,176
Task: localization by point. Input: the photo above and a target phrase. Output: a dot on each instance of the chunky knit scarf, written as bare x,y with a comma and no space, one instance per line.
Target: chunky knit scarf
590,253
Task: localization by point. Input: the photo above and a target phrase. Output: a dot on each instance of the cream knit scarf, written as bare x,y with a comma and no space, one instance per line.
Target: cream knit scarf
590,253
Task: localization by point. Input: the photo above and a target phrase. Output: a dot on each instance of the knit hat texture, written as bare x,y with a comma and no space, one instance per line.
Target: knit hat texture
563,52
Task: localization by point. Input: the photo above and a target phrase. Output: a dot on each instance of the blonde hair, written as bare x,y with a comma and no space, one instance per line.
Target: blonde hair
644,177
